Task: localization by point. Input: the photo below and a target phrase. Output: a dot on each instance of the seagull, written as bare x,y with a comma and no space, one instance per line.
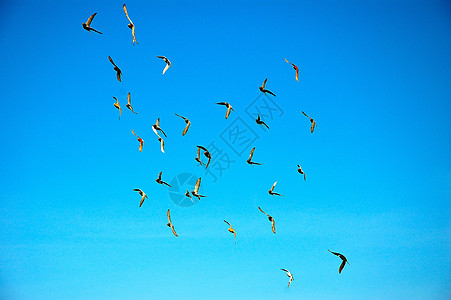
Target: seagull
170,224
117,106
250,158
294,67
271,190
187,194
168,63
229,108
312,121
156,128
143,196
159,181
188,123
301,172
262,88
198,157
131,25
87,25
343,258
129,104
196,190
231,230
140,140
161,144
207,155
271,219
289,275
116,68
260,122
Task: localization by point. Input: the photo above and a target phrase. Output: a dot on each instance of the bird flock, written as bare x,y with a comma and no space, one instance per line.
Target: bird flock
158,130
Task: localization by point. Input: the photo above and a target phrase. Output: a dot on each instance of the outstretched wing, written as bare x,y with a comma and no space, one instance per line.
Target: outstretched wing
285,269
128,99
305,114
264,83
88,23
273,225
251,154
186,128
173,231
166,68
111,60
228,223
169,217
272,188
159,175
313,126
263,211
126,13
196,187
342,266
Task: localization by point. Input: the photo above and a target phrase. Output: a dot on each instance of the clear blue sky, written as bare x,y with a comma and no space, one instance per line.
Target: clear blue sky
375,75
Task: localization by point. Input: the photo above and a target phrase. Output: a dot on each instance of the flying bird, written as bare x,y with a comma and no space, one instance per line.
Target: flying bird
161,144
262,88
170,224
195,193
231,230
198,157
289,275
188,123
116,68
207,155
312,121
271,219
187,194
342,258
301,172
117,106
143,196
87,25
159,181
294,67
272,189
249,160
131,25
140,140
129,104
260,122
156,128
229,108
168,63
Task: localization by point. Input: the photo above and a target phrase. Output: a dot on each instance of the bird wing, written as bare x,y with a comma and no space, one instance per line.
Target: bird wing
162,145
142,199
273,225
88,23
285,269
263,211
138,190
272,188
173,231
289,282
133,34
270,93
264,83
304,177
128,99
182,117
117,101
228,112
222,103
251,154
118,74
158,122
111,60
186,128
126,13
169,217
305,114
159,175
297,73
166,68
313,126
203,148
258,117
196,187
228,223
342,266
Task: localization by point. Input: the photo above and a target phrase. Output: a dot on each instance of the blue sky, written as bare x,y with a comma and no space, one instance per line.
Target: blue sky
375,75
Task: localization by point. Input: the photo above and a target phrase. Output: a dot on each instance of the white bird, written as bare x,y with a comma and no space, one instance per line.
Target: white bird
143,196
289,275
168,63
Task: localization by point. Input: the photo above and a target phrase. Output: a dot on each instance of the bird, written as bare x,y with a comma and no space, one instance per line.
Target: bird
188,123
272,189
207,155
129,104
156,128
312,121
143,196
140,140
168,63
159,181
229,108
161,144
117,106
271,219
231,230
301,172
187,194
262,88
343,258
87,25
249,160
170,224
116,68
131,25
289,275
198,157
294,67
260,122
195,193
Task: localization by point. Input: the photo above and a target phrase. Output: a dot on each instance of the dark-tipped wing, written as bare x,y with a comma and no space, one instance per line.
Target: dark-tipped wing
264,83
263,211
228,223
111,60
88,23
251,154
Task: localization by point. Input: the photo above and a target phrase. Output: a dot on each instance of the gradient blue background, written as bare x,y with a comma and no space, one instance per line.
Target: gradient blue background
375,75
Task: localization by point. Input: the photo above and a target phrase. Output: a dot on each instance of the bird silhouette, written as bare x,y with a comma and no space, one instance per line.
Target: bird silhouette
87,25
156,128
301,171
168,63
260,122
195,193
263,90
131,25
343,258
229,108
170,224
116,68
140,140
272,189
231,230
129,104
289,275
161,144
187,194
143,196
312,121
249,160
188,123
159,181
294,67
271,219
207,155
117,106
